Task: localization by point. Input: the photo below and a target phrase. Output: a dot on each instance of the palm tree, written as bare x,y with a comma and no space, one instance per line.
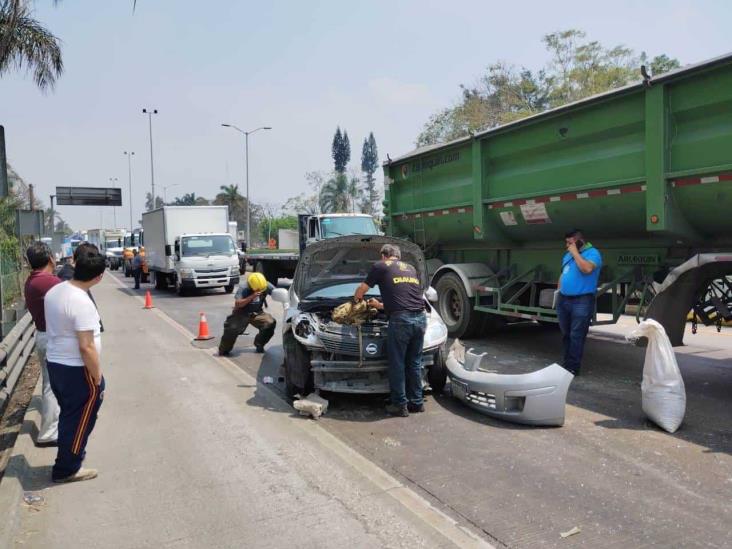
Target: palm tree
339,194
229,196
25,43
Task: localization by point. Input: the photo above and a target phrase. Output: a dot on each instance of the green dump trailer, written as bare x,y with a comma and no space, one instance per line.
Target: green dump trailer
645,171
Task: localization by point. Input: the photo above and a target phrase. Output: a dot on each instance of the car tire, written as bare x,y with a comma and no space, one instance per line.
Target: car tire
455,307
437,373
297,359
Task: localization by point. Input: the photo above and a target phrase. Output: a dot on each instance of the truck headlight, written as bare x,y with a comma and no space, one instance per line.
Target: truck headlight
435,334
186,273
234,270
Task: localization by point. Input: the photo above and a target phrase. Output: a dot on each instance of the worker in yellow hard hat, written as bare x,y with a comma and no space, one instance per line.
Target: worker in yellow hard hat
250,299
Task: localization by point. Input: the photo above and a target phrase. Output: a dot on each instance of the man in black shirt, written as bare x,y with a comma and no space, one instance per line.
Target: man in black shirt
403,302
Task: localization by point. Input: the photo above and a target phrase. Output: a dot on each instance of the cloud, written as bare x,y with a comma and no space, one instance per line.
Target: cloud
395,92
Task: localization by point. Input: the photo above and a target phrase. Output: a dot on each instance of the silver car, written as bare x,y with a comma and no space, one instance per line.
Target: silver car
322,354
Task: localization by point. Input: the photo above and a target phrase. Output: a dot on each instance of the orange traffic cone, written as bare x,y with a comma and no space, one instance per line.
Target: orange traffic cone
203,334
148,300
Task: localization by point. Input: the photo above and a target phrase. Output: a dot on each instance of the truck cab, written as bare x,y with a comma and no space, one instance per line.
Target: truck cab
205,260
314,228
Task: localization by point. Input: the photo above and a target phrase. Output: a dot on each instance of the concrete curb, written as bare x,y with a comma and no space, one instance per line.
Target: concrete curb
11,486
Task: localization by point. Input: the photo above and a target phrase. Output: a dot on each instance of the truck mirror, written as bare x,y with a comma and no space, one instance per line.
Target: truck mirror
168,251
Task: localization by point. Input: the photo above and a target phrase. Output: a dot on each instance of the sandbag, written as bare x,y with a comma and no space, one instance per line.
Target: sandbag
662,390
353,313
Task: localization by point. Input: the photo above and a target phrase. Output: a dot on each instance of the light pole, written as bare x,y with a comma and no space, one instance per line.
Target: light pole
112,182
149,113
53,216
165,195
246,166
129,156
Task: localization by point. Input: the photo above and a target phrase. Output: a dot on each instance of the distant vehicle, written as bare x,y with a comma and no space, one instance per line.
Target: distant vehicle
132,241
110,243
281,263
190,247
322,354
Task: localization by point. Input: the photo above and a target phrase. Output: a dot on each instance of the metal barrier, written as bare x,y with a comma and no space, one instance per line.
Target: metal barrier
15,350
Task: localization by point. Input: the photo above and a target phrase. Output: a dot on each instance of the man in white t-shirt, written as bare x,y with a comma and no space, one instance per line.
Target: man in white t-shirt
73,355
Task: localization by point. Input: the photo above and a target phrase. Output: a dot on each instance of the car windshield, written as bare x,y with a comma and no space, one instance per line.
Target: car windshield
207,245
342,226
341,290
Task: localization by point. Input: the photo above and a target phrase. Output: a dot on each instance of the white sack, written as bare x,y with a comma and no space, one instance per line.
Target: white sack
662,389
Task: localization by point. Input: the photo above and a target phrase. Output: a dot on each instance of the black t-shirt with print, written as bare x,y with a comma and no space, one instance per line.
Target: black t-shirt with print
399,286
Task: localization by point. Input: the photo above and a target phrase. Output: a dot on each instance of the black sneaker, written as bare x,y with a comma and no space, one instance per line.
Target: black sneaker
415,408
399,411
221,353
259,348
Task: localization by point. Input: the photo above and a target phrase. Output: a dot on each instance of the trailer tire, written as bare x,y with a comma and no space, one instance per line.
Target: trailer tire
455,307
437,373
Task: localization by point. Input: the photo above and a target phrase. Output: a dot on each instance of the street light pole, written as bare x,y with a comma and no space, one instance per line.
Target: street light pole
129,156
246,169
112,181
53,215
149,113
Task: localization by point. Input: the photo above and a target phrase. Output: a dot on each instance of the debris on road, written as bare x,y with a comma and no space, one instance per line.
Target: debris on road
572,532
662,390
33,500
268,380
312,405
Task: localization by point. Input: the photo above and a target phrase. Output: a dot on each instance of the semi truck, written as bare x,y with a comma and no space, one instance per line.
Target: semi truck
644,170
281,263
190,247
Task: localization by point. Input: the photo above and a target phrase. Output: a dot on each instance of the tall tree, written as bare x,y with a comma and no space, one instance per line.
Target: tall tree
369,165
237,204
26,44
159,203
340,150
578,68
189,199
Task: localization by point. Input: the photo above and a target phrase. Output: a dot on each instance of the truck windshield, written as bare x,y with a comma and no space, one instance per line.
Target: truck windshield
342,226
113,244
207,245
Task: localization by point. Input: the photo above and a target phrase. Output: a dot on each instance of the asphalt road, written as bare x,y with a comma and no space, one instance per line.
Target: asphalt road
608,471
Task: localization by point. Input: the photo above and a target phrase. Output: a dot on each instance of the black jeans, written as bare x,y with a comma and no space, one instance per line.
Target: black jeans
237,322
405,338
137,273
575,314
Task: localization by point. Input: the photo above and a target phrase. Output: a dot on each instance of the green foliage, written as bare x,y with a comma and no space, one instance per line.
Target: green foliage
190,199
269,228
339,194
341,150
159,203
577,69
25,44
369,165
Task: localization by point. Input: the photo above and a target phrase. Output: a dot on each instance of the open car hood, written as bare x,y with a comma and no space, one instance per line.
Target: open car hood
348,259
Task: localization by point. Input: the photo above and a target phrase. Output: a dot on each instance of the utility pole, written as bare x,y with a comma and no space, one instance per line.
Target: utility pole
113,181
31,198
149,113
129,156
53,215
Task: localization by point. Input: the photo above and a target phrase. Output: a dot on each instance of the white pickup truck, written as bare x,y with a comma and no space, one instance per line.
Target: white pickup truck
190,247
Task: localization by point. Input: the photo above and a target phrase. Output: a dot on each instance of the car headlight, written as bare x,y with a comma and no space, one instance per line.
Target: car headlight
186,273
304,331
234,270
435,334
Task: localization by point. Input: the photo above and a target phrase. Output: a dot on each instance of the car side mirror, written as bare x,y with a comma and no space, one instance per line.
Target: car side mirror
280,295
431,295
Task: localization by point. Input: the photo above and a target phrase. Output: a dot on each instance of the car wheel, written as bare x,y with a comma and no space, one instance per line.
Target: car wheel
437,374
455,307
298,377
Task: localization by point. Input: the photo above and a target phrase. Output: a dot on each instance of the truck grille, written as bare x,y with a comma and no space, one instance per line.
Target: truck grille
217,272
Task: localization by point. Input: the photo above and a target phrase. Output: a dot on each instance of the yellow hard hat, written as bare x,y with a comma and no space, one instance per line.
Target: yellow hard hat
257,282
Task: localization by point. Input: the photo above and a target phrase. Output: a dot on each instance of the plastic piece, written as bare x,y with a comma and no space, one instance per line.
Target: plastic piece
662,390
536,398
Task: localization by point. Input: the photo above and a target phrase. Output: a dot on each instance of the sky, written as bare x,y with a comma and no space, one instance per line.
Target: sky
302,68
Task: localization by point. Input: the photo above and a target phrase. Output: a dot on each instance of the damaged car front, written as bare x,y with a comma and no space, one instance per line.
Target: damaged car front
323,353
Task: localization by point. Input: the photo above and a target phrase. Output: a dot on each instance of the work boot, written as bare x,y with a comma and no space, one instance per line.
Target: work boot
223,353
399,411
415,408
259,348
81,474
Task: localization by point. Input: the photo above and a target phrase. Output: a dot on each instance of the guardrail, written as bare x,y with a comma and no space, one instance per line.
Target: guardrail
14,352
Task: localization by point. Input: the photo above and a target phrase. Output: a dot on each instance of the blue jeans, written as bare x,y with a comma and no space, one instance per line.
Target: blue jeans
405,339
575,314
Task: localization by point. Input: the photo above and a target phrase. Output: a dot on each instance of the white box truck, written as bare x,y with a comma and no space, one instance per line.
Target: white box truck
190,247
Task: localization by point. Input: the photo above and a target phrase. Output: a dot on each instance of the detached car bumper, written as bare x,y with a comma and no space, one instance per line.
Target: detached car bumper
536,398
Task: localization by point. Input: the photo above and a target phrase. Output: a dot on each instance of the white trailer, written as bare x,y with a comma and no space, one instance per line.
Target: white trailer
190,247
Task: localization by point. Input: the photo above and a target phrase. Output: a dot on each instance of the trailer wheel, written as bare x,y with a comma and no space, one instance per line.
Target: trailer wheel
455,307
437,373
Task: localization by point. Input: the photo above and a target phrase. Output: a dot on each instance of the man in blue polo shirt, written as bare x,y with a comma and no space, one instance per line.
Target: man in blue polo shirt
576,303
